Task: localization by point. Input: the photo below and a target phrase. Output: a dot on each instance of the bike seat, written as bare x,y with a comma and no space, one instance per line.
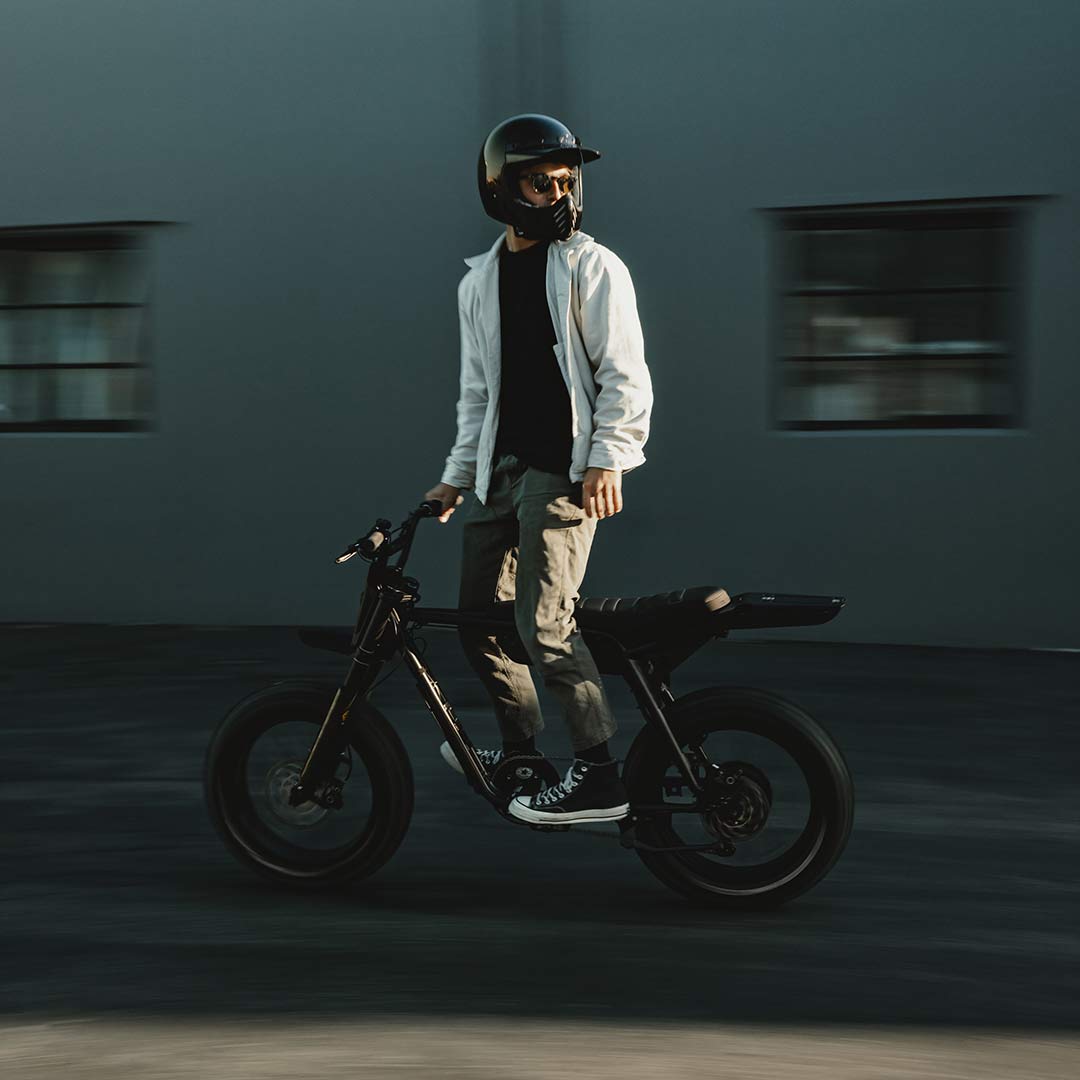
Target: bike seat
705,609
615,613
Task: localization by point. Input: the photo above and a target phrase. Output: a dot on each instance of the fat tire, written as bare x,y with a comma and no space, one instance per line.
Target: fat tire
768,715
371,737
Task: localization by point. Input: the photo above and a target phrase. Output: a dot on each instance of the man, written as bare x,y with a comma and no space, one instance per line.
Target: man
553,410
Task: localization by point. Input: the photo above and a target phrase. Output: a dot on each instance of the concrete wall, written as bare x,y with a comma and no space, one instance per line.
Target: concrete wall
320,158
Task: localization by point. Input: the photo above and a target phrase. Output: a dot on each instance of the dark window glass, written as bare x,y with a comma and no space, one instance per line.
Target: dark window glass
897,319
73,353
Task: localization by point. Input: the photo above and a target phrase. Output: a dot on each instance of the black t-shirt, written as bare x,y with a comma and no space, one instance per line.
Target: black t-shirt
534,405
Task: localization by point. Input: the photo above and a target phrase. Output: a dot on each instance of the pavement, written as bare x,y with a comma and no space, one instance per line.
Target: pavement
944,943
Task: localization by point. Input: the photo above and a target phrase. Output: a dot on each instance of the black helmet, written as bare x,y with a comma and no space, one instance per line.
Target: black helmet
518,141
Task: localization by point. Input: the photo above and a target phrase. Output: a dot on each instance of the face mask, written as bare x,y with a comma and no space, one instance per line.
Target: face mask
558,221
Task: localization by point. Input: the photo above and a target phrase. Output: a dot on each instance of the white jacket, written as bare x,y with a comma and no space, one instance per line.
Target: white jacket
598,346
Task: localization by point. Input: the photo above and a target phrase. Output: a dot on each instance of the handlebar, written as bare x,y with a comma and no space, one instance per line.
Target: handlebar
381,533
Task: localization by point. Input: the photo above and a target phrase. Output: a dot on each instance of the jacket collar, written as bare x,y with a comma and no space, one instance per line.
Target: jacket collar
476,262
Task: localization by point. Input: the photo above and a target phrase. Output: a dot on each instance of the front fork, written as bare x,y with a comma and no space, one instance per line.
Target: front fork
317,781
316,777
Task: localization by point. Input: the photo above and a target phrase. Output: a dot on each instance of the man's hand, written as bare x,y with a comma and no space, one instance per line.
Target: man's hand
601,492
449,496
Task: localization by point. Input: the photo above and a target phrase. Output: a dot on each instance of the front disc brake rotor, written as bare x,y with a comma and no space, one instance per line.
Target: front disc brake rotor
280,781
741,798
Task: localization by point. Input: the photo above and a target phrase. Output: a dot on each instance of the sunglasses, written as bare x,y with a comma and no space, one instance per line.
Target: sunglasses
541,182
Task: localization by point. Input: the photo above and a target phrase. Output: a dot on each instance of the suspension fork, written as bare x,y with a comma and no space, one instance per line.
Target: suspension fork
333,735
325,751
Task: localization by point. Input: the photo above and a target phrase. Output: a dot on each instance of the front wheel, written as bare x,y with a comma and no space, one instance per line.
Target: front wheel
779,799
254,761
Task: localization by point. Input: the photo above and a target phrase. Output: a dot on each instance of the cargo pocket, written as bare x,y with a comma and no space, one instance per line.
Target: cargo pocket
559,496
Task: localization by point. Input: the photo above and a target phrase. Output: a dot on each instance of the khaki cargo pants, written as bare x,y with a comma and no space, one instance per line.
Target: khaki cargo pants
530,543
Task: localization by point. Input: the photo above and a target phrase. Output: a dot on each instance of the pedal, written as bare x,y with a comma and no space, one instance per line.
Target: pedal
550,828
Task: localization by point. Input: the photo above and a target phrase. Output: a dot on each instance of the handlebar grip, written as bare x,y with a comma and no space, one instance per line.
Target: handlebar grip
432,508
372,542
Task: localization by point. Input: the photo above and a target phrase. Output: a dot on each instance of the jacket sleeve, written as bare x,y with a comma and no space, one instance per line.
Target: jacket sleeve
611,333
460,470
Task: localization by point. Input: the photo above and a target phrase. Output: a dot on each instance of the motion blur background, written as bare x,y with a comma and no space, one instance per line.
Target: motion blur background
230,236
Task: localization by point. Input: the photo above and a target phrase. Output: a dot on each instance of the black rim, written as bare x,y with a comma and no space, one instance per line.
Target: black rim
777,826
307,841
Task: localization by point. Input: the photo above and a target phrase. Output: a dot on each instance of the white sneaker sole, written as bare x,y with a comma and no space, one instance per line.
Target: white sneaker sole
450,759
521,810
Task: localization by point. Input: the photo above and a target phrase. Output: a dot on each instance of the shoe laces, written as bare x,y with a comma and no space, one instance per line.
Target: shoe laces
574,775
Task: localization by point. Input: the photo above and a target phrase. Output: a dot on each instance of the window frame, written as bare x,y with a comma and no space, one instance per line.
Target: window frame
1010,213
76,237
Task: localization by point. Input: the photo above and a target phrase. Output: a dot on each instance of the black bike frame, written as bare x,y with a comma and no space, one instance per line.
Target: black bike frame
384,621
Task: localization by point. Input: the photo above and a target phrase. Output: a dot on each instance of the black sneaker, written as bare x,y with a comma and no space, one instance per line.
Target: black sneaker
588,792
488,758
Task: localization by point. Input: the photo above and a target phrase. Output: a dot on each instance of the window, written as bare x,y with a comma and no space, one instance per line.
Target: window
898,318
73,331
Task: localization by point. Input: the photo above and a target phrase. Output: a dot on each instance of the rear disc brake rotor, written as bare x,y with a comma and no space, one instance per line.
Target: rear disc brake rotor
741,799
280,781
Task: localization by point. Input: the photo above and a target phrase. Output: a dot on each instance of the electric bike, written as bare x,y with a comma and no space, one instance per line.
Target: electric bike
738,798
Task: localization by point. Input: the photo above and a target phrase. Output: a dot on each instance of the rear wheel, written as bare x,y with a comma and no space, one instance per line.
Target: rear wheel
254,761
779,799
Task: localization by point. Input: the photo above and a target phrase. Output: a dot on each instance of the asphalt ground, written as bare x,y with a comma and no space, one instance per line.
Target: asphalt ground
945,941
